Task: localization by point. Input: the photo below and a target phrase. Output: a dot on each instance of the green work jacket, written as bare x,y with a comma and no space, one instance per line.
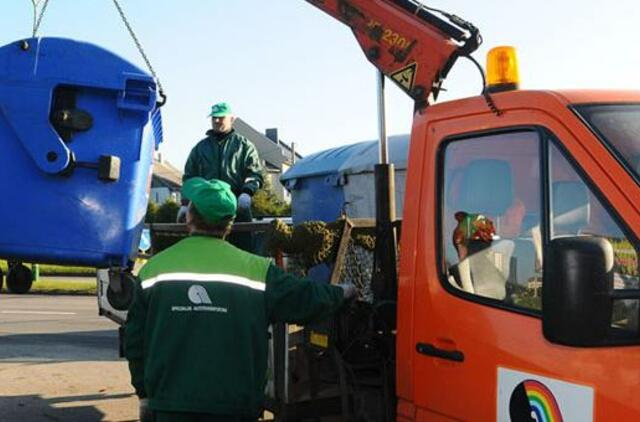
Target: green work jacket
196,334
230,157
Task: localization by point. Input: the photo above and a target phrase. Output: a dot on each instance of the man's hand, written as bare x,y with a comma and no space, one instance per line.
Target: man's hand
244,201
349,291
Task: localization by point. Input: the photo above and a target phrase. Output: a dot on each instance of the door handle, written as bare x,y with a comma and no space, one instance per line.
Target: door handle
431,350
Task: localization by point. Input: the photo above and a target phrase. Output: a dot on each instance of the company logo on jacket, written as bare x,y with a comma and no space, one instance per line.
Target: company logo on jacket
198,295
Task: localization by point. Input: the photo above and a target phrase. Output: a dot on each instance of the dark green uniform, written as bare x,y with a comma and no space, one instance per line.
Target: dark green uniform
196,333
231,158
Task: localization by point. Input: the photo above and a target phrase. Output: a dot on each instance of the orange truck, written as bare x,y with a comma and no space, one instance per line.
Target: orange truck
516,295
518,286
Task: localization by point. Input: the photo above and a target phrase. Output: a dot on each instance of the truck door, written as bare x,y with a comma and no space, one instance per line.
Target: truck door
480,353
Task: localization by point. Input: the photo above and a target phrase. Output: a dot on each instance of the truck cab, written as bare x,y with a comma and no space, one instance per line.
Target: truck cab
544,174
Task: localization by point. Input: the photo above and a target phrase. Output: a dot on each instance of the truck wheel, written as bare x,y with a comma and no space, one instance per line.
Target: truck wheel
19,279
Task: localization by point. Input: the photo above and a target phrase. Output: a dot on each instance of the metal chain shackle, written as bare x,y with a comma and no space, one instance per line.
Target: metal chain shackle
37,19
142,52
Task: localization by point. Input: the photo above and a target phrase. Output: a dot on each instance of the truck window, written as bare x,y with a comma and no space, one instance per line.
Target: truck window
491,216
492,239
576,211
618,126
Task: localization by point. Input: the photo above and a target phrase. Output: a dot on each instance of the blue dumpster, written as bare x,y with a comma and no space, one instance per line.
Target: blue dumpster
329,183
316,184
340,181
78,127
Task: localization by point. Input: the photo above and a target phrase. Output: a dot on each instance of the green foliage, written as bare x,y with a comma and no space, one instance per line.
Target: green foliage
167,212
71,287
525,296
265,203
57,270
625,257
152,210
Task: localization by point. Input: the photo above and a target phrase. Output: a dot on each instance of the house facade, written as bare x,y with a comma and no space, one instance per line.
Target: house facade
166,181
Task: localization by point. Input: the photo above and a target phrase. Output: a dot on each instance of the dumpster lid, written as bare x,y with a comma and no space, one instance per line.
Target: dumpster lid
365,160
349,159
324,162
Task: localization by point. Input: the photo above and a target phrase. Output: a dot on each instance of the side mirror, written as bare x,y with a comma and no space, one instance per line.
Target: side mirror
578,293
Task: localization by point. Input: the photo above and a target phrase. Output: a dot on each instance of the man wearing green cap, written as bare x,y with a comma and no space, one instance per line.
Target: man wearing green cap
228,156
196,332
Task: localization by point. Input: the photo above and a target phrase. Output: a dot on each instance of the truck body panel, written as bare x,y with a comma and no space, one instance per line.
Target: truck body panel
501,341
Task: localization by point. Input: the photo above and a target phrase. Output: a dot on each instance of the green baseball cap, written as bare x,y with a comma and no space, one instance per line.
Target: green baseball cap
213,198
220,110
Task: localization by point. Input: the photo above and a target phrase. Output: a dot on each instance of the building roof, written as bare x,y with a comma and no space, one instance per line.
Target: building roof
275,154
166,173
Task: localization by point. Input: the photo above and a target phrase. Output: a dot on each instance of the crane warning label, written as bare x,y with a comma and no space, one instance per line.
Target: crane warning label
406,76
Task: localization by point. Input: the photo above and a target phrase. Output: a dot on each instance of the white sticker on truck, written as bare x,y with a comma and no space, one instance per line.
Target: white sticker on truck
529,397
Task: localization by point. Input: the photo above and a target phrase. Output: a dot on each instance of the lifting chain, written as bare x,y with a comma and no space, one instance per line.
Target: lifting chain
142,53
37,18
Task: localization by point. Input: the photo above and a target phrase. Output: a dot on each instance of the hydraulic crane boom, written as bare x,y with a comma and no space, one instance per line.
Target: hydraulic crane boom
409,44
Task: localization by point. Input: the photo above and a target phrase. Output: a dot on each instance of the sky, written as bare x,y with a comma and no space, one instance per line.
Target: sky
286,64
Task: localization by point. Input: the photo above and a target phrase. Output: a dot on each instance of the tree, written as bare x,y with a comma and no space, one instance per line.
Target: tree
266,203
152,210
167,212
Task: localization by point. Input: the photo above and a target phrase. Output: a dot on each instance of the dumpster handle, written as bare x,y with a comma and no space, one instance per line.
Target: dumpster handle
24,107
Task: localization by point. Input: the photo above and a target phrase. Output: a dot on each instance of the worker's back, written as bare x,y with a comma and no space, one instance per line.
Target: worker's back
207,324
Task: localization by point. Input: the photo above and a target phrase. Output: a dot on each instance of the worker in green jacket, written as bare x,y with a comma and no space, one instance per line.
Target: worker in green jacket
196,333
228,156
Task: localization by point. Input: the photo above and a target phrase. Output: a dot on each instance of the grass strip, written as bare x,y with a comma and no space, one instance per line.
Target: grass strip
47,269
67,287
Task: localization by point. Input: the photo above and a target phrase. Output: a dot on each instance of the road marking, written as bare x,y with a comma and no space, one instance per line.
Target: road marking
38,312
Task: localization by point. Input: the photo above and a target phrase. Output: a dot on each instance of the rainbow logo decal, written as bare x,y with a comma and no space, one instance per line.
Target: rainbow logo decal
542,402
532,401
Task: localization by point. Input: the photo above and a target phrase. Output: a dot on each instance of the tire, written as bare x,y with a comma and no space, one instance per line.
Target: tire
122,299
19,279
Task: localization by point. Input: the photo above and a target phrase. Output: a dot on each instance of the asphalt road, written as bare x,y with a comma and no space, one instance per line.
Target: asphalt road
59,362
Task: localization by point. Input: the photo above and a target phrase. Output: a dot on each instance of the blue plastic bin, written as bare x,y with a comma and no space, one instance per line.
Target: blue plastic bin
330,182
78,127
315,183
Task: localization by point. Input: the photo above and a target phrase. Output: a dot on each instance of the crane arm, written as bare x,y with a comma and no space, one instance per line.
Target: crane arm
404,40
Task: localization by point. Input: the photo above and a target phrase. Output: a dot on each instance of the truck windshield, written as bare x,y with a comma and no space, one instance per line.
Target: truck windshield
619,127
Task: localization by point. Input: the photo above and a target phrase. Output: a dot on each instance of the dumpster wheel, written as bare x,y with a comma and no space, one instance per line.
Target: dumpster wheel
19,279
120,289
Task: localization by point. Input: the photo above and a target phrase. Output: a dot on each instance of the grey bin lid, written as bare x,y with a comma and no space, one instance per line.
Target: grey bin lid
356,158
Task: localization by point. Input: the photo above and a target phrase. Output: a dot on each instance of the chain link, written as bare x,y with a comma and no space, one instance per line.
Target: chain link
37,19
140,49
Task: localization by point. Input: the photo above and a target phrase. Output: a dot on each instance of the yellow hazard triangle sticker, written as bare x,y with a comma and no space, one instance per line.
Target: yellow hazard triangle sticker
406,76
